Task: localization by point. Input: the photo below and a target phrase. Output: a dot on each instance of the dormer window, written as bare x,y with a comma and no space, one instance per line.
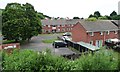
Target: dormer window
91,33
101,33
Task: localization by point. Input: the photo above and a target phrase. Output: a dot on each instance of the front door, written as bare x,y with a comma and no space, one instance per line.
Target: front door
99,43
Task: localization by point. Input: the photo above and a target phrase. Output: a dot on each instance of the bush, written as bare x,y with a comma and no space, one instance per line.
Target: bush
91,19
8,41
102,60
32,60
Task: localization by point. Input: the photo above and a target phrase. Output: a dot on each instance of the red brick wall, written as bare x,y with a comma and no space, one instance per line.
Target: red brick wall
79,33
65,27
10,49
103,37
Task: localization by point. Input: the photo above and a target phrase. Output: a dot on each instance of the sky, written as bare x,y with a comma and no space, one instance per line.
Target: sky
69,8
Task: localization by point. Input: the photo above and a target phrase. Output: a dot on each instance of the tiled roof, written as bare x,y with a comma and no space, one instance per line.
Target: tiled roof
116,22
99,25
59,22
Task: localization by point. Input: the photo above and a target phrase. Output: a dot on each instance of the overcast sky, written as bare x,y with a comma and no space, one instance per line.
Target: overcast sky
69,8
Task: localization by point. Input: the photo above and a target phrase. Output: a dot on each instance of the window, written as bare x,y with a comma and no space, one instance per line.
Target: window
58,30
101,33
91,42
48,25
63,30
108,40
49,30
44,25
107,32
91,33
43,30
115,32
63,25
58,25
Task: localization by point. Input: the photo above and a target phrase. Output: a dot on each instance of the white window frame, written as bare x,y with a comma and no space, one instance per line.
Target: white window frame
101,33
116,32
48,25
91,33
63,25
58,25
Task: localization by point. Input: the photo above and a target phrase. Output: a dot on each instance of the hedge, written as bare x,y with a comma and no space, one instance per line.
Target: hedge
29,60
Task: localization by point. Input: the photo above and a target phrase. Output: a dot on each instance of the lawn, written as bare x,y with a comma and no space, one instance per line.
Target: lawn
49,34
48,40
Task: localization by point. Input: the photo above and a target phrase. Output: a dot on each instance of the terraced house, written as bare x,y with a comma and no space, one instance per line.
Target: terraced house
61,25
94,32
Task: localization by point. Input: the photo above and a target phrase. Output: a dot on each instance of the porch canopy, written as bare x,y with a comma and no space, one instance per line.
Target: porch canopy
89,46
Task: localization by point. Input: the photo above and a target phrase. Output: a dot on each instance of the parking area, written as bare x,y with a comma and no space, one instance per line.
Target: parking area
37,45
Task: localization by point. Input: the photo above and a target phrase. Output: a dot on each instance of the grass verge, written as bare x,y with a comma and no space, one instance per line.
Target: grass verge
48,41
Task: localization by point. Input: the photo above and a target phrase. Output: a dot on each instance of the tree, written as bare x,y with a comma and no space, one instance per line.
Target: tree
115,17
91,16
103,18
113,13
20,22
97,14
76,18
91,19
40,15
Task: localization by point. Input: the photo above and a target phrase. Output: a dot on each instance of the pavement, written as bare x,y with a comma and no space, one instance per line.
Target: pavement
37,45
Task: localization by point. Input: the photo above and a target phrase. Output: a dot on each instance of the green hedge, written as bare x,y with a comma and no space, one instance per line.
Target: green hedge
31,60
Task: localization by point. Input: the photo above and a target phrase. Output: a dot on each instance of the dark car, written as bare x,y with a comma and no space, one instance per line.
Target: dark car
59,43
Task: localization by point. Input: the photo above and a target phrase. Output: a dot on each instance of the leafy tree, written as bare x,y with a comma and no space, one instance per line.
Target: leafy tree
91,19
40,15
91,16
113,13
1,11
76,18
103,18
115,17
20,22
97,14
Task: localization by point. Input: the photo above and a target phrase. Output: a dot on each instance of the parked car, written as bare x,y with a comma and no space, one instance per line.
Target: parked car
113,43
67,34
59,43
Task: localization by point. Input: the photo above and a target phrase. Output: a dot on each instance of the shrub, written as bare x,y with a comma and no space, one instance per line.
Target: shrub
102,60
32,60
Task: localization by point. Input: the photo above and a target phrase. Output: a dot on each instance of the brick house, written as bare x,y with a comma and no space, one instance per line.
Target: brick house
61,25
94,32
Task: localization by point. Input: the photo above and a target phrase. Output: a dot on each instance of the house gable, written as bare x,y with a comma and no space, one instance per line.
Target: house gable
79,33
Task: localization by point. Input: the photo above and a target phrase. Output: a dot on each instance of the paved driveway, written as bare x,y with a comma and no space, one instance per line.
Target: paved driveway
37,45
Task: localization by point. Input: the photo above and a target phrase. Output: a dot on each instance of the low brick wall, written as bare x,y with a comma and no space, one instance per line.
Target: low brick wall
10,47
